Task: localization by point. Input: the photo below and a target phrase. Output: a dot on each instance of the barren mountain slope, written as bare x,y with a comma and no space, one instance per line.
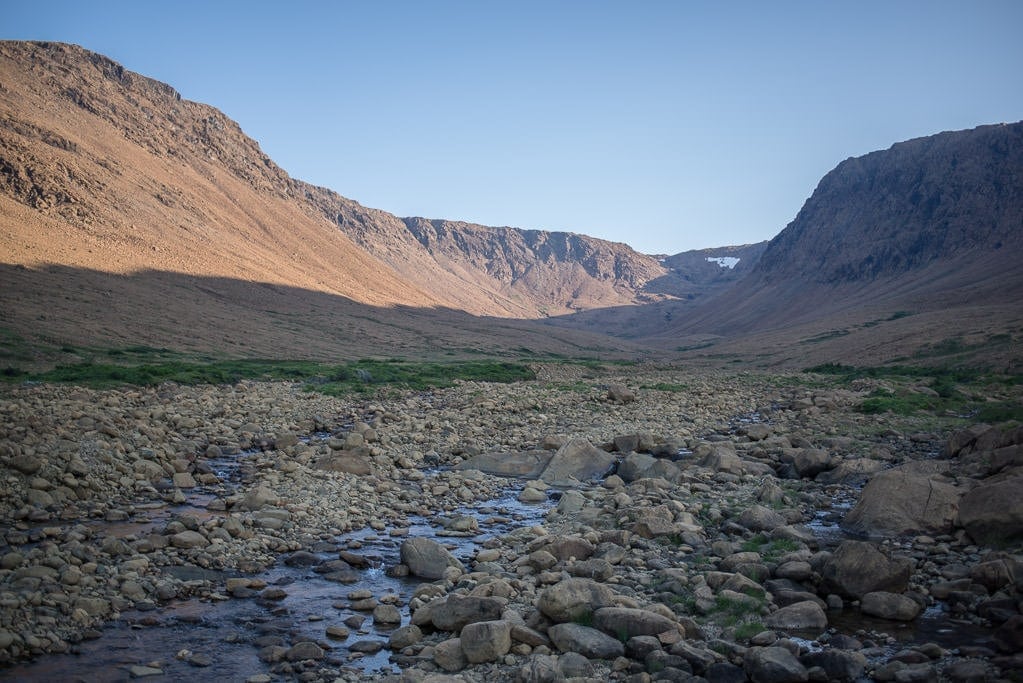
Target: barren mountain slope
922,240
155,181
108,179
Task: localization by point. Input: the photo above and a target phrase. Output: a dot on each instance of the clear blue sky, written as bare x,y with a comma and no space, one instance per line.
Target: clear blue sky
667,125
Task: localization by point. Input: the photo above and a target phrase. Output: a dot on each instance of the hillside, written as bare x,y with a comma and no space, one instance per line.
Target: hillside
910,253
160,182
129,215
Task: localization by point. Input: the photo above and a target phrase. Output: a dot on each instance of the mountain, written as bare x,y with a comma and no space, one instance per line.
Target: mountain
910,253
122,203
114,156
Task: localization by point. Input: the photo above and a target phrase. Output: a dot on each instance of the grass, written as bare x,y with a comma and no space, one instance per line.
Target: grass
770,549
968,393
146,366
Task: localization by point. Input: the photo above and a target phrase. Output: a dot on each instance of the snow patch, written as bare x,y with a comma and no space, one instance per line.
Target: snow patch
724,261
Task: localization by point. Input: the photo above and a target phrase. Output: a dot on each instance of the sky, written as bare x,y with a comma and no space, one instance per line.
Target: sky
665,125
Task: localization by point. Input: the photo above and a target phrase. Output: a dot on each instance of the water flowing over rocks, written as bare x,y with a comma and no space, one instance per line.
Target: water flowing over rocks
527,532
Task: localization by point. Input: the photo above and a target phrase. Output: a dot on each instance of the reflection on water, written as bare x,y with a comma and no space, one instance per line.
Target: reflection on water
225,635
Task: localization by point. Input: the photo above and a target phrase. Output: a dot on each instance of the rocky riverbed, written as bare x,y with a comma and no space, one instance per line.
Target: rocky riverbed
608,523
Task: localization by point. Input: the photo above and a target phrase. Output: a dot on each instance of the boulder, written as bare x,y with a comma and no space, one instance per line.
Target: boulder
801,616
189,539
626,622
760,518
851,472
810,462
485,641
576,462
839,665
992,513
773,665
619,393
525,464
567,547
574,599
889,606
585,640
912,498
303,650
635,466
427,558
448,655
857,568
345,461
1008,637
455,612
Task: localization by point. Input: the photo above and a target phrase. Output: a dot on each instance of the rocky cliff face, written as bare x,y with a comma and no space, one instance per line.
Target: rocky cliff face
942,197
88,144
897,255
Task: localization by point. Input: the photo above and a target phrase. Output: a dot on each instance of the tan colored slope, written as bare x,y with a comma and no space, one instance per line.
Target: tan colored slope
122,178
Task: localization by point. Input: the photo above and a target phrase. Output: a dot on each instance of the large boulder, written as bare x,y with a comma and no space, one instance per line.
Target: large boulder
809,462
455,612
889,606
635,466
525,464
857,568
427,558
909,499
773,665
576,462
574,599
626,622
587,641
806,615
992,513
485,641
760,518
839,665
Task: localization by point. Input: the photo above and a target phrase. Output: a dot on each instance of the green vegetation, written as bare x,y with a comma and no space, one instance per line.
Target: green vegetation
770,549
948,391
730,611
748,630
146,366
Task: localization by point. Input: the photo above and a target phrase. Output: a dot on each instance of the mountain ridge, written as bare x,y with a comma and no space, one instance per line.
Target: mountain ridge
483,270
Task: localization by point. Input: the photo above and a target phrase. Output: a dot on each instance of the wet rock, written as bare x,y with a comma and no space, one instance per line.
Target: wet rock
889,606
589,642
858,567
485,641
303,650
386,615
427,558
574,599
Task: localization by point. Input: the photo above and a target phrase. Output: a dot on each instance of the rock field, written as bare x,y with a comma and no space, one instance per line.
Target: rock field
692,531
